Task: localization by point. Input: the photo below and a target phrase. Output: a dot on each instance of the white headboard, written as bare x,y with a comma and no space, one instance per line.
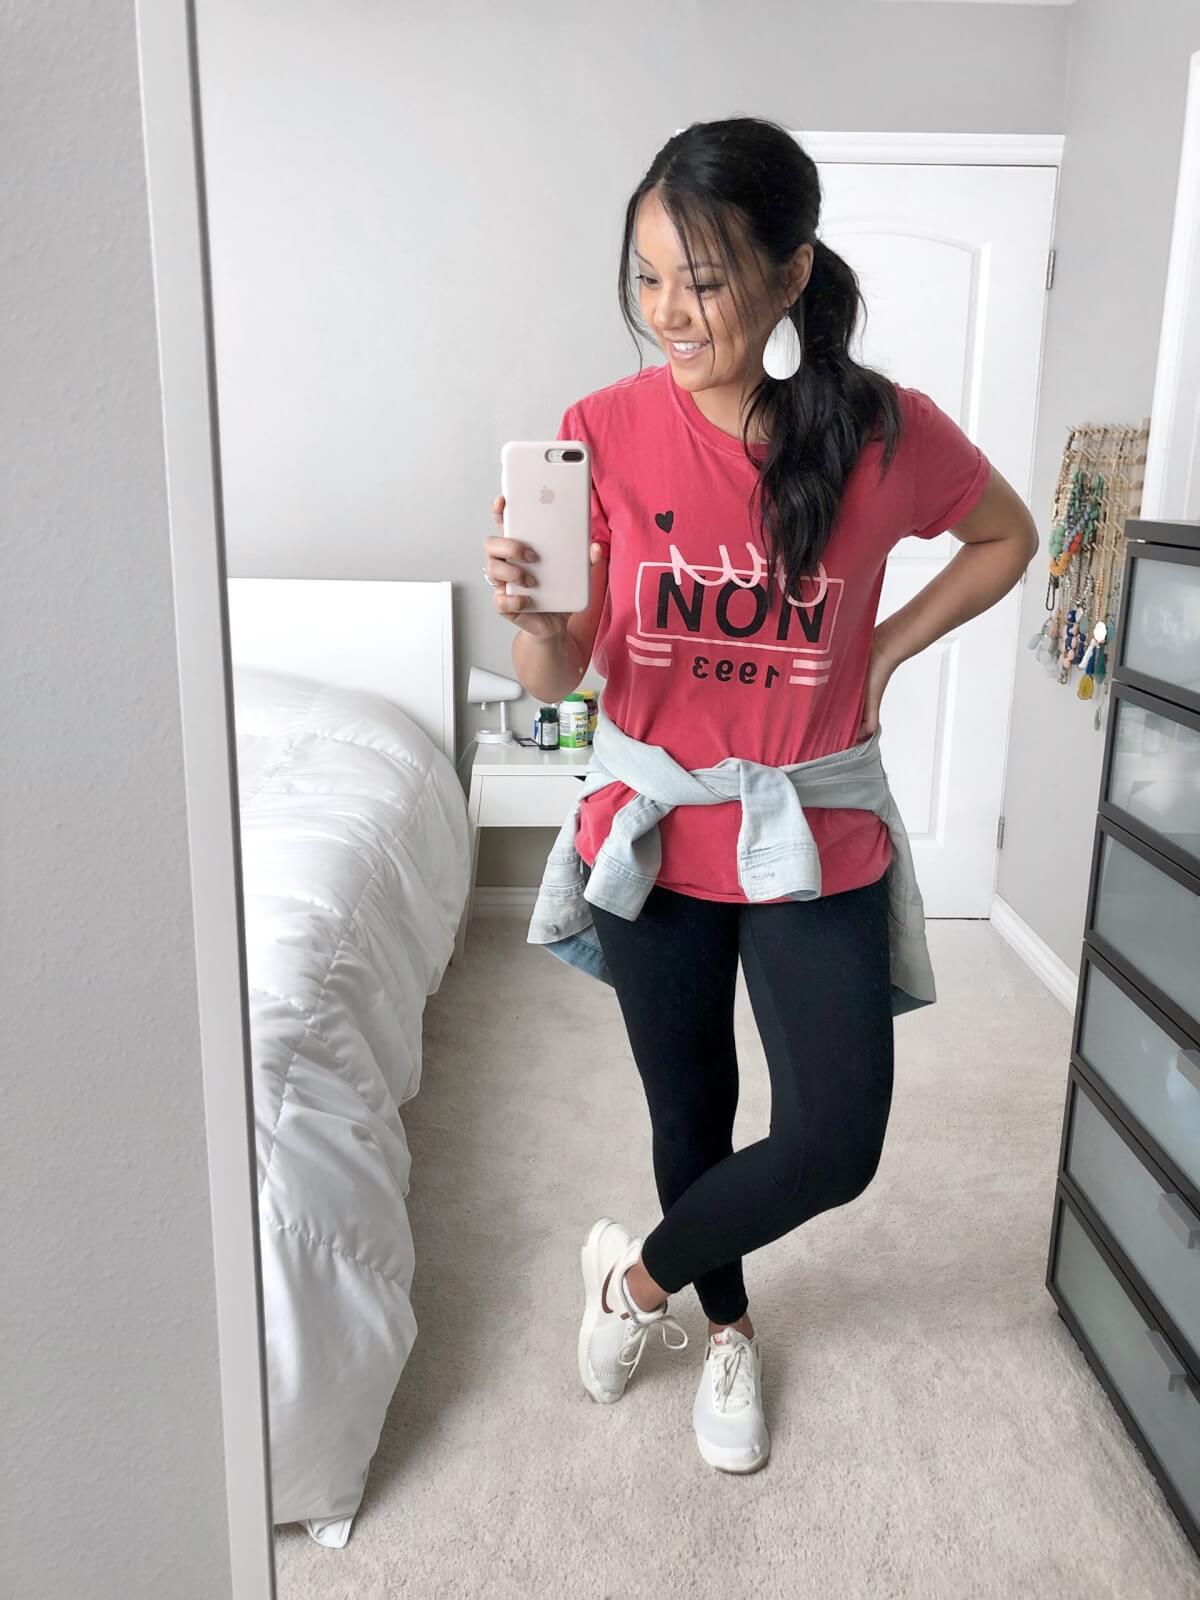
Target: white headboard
389,637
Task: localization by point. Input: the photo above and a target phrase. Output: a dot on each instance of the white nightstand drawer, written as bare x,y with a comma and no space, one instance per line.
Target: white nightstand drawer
527,800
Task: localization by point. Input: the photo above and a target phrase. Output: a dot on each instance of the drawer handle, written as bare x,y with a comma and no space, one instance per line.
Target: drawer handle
1187,1064
1177,1377
1183,1220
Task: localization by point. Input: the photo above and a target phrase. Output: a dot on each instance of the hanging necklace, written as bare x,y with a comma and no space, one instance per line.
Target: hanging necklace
1083,587
1077,529
1072,571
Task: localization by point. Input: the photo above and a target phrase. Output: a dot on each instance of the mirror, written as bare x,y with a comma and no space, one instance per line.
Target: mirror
490,1184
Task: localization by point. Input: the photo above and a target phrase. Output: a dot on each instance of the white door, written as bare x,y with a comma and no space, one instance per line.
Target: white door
952,261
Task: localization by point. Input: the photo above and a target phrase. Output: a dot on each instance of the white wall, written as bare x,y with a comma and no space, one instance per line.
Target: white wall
416,215
112,1451
395,296
1125,99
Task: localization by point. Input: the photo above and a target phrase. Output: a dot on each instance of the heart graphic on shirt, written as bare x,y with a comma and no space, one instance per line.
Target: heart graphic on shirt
664,520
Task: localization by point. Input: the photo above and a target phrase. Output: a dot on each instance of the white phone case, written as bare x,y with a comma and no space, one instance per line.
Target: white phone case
548,506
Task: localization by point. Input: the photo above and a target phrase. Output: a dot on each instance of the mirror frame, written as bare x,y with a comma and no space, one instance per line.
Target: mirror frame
173,134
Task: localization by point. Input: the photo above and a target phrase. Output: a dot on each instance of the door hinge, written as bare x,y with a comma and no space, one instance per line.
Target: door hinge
1000,834
1050,268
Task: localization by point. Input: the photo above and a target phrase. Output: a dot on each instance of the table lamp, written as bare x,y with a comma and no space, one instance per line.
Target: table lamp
483,688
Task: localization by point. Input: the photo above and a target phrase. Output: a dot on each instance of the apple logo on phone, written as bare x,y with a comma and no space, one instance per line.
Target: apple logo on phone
546,496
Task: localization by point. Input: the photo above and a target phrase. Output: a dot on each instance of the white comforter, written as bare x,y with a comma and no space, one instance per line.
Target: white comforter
355,863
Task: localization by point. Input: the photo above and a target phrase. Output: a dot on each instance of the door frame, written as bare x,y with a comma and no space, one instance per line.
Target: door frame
167,64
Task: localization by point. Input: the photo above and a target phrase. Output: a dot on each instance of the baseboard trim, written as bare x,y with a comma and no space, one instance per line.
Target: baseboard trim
500,899
1037,955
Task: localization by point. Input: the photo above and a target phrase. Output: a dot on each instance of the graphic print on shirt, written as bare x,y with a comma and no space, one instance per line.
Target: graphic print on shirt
680,604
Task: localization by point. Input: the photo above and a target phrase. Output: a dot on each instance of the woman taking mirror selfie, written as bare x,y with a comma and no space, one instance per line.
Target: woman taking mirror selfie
745,497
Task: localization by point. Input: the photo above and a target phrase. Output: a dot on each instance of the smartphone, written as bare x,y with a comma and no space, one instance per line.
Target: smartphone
547,489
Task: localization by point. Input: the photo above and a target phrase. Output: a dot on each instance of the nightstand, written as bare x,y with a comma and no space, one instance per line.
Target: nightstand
513,786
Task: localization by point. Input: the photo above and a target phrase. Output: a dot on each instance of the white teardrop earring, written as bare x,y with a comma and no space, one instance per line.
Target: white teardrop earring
781,353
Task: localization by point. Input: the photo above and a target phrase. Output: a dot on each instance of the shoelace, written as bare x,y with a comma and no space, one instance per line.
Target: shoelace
634,1342
730,1377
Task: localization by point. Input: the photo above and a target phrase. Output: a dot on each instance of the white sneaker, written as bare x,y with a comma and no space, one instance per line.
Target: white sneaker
610,1343
731,1429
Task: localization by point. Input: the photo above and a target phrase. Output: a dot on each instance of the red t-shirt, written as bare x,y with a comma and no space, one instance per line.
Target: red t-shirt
697,652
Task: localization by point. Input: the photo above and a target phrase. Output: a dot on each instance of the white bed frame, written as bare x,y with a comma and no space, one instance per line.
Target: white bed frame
390,637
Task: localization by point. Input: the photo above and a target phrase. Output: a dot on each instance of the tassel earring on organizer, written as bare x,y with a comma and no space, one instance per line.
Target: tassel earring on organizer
781,354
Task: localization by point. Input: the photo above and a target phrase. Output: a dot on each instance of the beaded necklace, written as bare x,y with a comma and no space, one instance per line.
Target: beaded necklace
1083,589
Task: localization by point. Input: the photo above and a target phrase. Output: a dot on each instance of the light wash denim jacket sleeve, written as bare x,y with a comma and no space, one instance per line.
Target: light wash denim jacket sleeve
776,853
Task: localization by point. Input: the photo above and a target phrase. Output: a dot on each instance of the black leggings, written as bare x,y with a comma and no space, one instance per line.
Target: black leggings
817,973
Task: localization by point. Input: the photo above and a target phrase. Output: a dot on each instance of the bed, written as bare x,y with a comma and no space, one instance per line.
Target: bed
355,864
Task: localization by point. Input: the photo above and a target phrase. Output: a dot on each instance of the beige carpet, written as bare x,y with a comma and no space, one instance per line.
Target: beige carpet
935,1429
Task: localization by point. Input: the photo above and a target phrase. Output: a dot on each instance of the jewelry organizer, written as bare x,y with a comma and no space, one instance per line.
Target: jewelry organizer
1124,1260
1099,488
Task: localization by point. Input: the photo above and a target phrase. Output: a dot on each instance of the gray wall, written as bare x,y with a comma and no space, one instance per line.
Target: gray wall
416,216
1126,82
114,1479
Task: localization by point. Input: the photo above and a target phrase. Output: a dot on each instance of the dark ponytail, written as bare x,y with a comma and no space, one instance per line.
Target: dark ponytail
818,420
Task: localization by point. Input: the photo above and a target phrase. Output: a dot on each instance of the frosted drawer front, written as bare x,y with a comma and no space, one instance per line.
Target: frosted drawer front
1156,774
1166,1410
1162,637
1152,920
1148,1072
1152,1226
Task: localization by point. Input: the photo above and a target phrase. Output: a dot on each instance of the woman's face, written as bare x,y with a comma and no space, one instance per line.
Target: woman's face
670,304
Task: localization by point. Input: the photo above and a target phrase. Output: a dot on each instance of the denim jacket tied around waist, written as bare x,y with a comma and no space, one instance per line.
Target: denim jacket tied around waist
776,854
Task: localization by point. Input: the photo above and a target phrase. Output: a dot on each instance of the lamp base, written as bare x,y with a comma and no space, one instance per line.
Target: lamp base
494,735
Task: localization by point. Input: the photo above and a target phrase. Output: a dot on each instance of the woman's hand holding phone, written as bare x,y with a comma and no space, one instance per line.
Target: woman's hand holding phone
503,566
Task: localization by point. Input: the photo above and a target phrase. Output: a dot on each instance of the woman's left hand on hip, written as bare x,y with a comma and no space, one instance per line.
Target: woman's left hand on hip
879,671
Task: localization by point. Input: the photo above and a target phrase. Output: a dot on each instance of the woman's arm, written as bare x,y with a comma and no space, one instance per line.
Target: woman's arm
1000,539
551,666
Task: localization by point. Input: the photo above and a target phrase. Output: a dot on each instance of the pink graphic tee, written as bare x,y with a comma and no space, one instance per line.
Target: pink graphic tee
701,651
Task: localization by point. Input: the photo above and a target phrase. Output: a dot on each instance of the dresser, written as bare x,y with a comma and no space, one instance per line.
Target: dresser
1124,1261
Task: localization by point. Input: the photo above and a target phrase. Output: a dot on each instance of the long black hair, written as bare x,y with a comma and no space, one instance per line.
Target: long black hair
753,172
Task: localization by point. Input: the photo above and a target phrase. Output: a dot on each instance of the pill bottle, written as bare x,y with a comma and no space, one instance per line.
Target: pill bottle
572,722
592,700
545,728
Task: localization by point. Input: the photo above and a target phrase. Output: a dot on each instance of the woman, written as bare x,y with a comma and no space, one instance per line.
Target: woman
745,497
